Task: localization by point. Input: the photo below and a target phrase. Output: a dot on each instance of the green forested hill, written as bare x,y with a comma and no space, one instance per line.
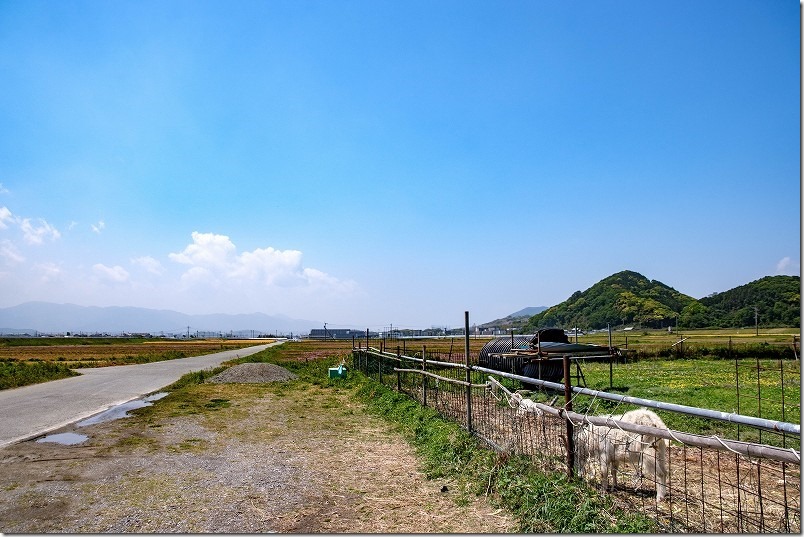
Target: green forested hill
630,298
777,299
623,298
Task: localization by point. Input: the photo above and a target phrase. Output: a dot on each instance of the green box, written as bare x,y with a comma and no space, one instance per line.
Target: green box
337,372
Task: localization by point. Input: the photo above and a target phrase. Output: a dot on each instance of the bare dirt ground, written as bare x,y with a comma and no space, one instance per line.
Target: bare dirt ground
236,458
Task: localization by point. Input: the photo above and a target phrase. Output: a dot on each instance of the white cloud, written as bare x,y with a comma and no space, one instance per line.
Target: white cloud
149,264
32,233
36,234
115,274
787,266
9,253
214,259
322,279
207,250
97,228
270,266
5,216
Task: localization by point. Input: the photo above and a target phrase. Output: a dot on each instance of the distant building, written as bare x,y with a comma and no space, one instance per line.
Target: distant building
338,333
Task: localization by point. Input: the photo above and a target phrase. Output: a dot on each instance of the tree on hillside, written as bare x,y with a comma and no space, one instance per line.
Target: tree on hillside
695,315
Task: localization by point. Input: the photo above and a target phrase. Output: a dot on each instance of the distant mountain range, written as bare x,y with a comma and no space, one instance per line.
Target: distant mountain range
528,312
516,320
45,317
626,297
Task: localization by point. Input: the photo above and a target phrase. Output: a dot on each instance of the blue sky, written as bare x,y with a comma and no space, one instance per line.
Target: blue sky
365,162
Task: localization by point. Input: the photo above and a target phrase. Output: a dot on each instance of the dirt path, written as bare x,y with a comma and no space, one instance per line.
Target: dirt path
235,458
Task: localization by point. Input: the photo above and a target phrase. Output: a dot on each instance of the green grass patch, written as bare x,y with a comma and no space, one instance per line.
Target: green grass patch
769,389
217,403
14,374
194,378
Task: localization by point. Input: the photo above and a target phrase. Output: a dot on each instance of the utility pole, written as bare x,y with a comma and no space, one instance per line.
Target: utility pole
756,318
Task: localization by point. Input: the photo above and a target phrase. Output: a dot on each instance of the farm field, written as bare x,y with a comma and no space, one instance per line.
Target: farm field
635,339
627,339
25,361
89,352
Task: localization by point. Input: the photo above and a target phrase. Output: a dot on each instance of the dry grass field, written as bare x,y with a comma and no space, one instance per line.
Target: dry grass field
110,352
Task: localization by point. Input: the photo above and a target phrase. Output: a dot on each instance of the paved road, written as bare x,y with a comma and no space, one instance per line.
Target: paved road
34,410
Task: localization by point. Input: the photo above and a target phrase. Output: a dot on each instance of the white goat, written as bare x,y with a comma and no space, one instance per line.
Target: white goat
524,406
611,446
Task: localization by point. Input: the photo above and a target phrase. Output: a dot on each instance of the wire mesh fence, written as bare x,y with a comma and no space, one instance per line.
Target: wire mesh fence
685,482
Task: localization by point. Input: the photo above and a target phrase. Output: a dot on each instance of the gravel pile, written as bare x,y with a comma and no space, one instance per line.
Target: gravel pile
253,373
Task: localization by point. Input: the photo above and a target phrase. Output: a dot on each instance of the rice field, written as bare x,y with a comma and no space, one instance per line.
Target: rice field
109,351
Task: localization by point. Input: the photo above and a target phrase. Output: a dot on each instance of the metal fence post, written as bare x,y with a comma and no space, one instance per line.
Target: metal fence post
468,375
424,377
359,355
398,373
611,369
568,407
781,379
759,397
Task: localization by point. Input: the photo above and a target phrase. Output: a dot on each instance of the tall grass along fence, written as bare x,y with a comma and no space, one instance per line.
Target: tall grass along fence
714,482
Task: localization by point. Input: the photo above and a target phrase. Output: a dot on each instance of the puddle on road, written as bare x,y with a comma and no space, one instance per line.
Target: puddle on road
67,439
121,411
114,413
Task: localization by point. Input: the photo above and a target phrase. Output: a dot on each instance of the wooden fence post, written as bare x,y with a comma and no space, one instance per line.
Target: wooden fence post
568,407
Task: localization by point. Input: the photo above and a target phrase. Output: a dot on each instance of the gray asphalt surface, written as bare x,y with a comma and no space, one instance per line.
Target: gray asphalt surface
34,410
